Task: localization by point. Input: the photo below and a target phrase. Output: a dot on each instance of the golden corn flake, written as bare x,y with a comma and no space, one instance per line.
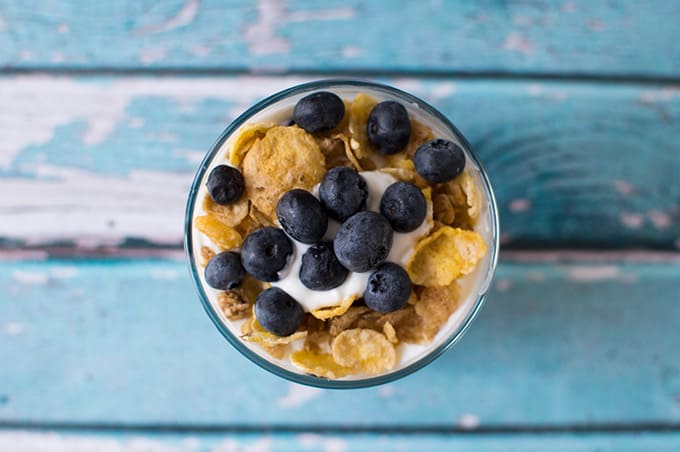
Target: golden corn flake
444,256
285,158
206,255
334,311
264,337
334,150
251,287
276,351
435,305
358,118
318,364
221,235
232,214
318,342
347,320
349,152
473,197
390,333
245,139
365,351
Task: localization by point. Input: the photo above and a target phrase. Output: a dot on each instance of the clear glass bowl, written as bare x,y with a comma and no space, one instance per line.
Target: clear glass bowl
278,108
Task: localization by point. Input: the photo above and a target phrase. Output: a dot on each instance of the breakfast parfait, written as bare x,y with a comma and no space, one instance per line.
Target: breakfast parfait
342,234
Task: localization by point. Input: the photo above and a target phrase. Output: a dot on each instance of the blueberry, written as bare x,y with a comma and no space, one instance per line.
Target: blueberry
388,288
278,312
320,269
404,206
302,216
363,241
225,184
389,127
265,252
319,112
224,271
439,160
343,192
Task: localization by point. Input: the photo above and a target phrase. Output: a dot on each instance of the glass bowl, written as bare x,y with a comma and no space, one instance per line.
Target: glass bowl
278,108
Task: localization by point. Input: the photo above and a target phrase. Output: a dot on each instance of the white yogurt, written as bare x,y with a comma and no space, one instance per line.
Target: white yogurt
402,248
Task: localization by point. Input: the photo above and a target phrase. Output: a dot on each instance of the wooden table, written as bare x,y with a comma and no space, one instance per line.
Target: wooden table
106,109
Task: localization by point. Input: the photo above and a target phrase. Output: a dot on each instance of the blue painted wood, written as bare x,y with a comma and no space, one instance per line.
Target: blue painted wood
128,342
572,163
555,36
50,441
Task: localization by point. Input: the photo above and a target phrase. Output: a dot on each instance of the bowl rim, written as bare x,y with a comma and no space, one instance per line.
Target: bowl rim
306,379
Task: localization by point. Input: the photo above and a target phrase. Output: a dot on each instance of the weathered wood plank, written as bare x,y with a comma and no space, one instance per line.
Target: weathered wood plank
97,160
20,441
550,36
127,342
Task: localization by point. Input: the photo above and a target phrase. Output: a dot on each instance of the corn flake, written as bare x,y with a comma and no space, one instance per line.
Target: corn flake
221,235
473,197
334,311
285,158
263,337
318,364
233,305
231,215
206,254
444,256
365,351
359,112
435,305
245,139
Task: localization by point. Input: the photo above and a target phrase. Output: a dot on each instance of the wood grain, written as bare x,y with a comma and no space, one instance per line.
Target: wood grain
127,343
543,37
98,161
51,441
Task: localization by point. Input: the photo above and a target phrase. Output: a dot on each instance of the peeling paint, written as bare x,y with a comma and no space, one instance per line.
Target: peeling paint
327,443
519,205
14,329
468,421
164,275
590,274
503,285
298,395
516,42
30,278
63,28
152,55
351,52
184,17
386,391
632,220
660,220
623,187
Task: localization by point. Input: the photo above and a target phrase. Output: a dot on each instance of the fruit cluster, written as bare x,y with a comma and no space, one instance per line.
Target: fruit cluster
364,238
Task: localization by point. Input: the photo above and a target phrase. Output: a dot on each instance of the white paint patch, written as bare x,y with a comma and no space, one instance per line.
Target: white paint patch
522,21
163,275
190,155
94,208
19,441
632,220
519,205
64,272
595,273
351,52
152,55
568,7
665,94
101,106
328,444
184,17
503,285
136,123
30,278
468,421
623,187
25,55
14,329
660,220
261,35
3,24
535,90
200,50
298,395
442,91
538,90
516,42
63,28
386,391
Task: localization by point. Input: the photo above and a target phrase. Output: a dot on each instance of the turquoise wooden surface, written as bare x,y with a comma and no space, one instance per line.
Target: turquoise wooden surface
107,107
630,38
313,442
563,156
577,344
